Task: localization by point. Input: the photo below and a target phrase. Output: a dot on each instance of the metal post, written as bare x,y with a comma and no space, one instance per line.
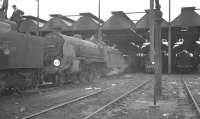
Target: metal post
151,21
158,53
38,15
169,42
99,11
99,24
152,52
151,4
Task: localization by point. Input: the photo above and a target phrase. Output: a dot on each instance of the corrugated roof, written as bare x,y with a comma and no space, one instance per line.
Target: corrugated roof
86,22
118,21
144,22
187,18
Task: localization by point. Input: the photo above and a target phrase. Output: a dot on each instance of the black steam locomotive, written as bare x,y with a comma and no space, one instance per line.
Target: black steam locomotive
184,62
28,61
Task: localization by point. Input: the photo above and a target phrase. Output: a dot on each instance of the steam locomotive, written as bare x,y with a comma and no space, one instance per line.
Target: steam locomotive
184,62
74,58
28,61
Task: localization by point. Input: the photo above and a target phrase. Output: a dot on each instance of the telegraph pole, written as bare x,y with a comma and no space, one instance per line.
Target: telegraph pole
169,42
99,36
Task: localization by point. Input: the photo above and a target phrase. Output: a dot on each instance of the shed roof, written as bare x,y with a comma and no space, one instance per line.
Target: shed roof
34,18
187,18
58,23
118,21
86,22
63,17
92,16
144,22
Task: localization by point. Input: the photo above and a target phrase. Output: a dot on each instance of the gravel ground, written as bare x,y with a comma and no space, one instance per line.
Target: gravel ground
194,86
83,108
173,104
14,107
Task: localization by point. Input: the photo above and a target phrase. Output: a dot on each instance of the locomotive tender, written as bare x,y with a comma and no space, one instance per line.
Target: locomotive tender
21,58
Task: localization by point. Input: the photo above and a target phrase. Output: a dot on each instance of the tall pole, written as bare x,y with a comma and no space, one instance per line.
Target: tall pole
151,4
152,51
99,11
158,54
151,21
99,22
169,42
155,51
38,16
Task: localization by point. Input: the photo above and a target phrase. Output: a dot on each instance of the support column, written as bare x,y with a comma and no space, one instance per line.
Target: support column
169,42
158,53
169,50
151,33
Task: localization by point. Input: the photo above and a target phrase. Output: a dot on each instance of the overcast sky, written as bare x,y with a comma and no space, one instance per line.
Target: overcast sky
71,7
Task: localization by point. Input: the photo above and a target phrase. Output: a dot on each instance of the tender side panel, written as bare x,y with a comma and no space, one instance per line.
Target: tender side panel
23,51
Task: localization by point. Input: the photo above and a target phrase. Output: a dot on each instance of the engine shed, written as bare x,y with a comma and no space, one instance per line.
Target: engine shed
119,31
57,23
87,25
143,28
132,39
185,37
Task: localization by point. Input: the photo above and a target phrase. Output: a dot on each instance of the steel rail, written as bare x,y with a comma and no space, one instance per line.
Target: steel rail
117,99
63,104
191,97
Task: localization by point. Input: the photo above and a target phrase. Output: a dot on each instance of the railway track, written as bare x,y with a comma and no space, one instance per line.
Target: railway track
191,96
122,110
68,105
63,104
116,100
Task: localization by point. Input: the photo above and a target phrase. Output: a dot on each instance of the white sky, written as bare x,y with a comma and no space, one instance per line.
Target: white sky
69,7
